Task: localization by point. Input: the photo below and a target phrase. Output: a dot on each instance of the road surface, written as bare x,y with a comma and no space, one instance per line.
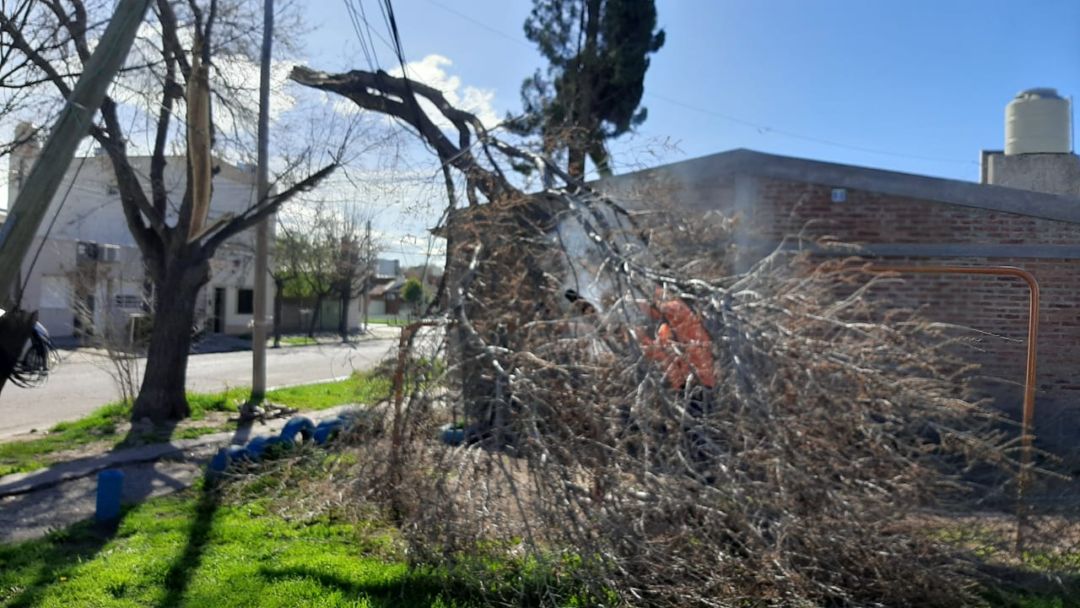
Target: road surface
82,383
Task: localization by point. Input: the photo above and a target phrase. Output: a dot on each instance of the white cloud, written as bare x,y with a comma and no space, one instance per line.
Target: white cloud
234,76
432,71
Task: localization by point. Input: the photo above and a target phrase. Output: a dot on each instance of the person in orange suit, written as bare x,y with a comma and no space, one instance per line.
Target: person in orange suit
683,348
682,345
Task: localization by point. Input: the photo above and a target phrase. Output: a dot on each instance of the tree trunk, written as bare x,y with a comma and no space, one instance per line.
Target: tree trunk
315,316
343,317
600,157
575,165
162,397
279,286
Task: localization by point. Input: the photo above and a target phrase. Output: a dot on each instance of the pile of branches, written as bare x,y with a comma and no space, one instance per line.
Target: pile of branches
785,453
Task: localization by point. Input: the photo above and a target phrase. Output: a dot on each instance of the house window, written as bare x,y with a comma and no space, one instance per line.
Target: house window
245,301
127,300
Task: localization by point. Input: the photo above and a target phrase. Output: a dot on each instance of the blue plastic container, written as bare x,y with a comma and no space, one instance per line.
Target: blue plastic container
110,489
451,435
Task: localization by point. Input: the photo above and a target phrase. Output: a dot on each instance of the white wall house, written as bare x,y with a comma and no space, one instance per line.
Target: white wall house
89,261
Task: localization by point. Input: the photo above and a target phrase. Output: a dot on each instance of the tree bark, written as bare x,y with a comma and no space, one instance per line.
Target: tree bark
343,316
279,286
315,315
162,397
575,165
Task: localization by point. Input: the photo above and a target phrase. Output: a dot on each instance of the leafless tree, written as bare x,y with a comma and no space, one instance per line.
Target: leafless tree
181,62
323,251
356,251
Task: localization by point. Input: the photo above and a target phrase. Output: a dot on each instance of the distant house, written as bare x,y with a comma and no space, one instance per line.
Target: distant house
89,274
383,297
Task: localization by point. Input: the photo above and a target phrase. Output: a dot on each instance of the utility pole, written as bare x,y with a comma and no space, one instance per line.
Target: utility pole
37,192
262,230
371,264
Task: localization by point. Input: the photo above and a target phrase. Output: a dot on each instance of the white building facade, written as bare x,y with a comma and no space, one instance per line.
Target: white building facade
89,271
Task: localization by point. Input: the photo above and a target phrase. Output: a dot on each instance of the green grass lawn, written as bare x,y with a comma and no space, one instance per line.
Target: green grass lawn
200,547
188,550
203,548
102,425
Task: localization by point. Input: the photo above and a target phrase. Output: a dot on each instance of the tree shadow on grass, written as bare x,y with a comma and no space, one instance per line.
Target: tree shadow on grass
183,568
412,590
55,557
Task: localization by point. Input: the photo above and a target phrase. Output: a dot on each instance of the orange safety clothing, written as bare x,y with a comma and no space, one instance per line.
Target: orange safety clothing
682,345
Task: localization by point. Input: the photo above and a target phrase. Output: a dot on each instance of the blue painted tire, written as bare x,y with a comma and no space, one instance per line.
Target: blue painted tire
277,442
257,446
298,425
226,456
327,430
220,461
110,490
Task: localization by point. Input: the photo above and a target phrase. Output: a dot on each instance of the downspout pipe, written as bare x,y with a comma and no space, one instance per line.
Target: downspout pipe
1027,428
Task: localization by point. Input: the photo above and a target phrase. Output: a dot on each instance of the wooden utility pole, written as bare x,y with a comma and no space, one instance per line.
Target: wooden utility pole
262,230
44,179
372,264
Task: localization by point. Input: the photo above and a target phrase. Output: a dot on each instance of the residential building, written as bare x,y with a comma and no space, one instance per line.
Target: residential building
297,313
383,297
84,268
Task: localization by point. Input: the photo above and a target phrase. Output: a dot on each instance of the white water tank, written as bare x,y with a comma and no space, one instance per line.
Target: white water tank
1038,121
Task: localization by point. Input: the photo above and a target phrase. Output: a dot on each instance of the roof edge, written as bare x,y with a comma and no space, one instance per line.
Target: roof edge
896,183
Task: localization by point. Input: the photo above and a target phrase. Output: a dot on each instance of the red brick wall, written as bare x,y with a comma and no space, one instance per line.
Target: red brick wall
994,305
787,207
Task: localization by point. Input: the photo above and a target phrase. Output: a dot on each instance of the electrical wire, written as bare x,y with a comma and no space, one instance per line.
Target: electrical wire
763,129
354,17
48,230
767,130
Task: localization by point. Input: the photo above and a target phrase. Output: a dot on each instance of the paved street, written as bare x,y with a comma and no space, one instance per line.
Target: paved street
82,383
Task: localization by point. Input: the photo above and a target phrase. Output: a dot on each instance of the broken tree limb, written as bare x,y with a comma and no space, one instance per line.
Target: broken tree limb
799,471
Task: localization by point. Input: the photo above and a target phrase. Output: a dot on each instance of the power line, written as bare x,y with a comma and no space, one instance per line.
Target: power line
355,19
767,130
763,129
481,24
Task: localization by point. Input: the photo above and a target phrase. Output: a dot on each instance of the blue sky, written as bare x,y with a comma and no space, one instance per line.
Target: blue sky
924,83
908,85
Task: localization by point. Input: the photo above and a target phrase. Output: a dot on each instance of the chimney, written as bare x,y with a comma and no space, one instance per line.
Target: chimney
23,154
1038,146
27,139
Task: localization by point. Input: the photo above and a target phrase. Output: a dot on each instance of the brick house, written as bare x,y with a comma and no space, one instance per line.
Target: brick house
1024,213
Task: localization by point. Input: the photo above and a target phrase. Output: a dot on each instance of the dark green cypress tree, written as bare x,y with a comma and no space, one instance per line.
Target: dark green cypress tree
598,53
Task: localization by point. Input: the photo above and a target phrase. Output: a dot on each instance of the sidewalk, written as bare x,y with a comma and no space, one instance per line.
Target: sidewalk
222,343
32,504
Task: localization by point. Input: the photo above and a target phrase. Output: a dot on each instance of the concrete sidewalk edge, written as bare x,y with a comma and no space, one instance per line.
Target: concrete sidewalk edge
24,483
